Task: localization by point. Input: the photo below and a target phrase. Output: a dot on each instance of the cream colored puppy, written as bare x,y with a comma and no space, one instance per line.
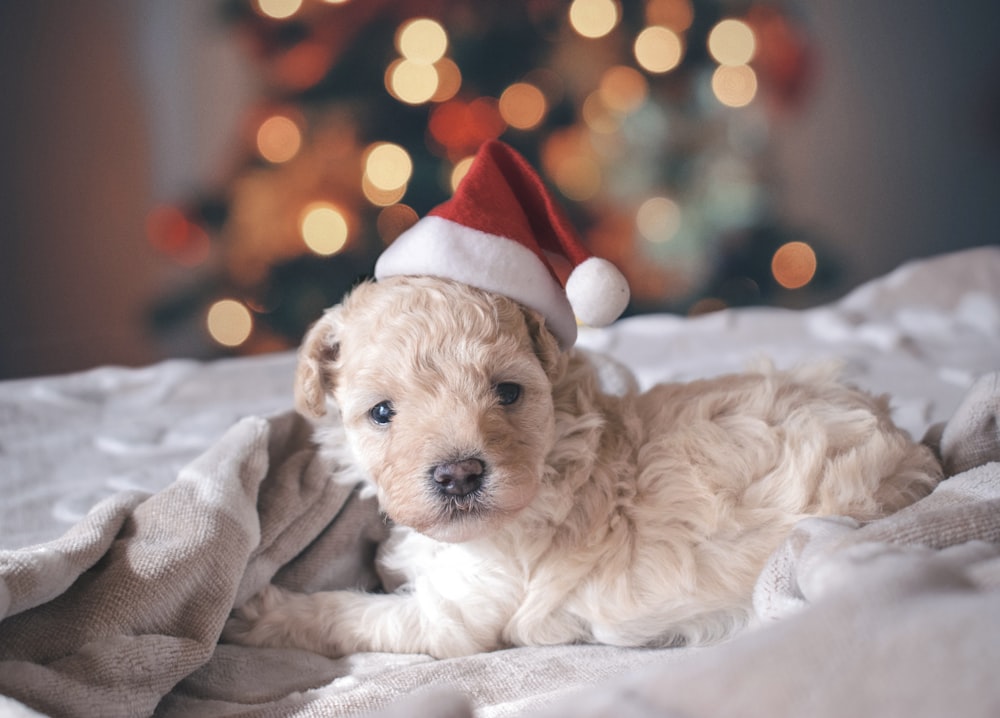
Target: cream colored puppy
532,508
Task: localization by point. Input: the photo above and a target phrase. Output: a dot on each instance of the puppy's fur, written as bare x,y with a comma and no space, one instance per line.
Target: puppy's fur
641,519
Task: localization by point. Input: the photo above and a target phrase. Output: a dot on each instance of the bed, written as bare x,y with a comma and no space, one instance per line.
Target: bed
140,505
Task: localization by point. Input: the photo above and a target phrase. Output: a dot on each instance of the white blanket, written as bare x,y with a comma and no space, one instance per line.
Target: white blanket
120,615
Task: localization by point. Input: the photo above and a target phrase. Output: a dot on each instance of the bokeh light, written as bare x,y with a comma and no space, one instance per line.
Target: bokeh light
381,197
675,14
411,82
578,177
732,42
449,80
658,49
522,105
422,41
387,166
794,265
593,18
229,322
658,219
623,89
394,220
734,85
278,9
278,139
459,171
324,228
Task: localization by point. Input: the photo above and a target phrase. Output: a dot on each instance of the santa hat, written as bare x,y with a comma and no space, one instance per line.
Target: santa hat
494,234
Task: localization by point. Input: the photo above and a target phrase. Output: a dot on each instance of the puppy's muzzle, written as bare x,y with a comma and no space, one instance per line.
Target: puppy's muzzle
459,478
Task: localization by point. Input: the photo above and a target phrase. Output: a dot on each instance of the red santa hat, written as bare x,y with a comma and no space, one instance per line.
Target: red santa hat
494,234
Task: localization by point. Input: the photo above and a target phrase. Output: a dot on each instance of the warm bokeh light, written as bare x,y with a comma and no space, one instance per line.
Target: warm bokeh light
578,177
278,139
658,49
422,41
658,219
462,127
522,105
279,9
794,265
394,220
734,86
449,80
732,42
229,322
623,89
324,228
381,197
675,14
411,82
387,166
335,2
459,171
593,18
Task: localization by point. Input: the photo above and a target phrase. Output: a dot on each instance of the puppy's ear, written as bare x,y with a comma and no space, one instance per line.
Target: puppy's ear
315,373
545,344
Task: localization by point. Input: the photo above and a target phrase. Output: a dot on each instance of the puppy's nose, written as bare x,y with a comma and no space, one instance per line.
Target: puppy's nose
459,478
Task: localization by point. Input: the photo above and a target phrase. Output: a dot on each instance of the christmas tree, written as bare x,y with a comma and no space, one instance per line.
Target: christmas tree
651,118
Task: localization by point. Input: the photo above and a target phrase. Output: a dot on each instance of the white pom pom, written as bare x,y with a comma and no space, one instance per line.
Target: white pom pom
597,291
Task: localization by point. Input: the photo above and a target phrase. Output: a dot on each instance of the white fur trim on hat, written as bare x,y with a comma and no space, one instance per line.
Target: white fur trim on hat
438,247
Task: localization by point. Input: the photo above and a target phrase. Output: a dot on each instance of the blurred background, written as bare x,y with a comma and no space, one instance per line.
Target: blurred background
198,178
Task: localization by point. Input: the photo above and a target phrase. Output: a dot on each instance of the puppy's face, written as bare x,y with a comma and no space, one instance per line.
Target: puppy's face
445,396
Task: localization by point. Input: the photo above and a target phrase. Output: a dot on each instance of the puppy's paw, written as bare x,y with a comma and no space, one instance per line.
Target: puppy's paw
271,619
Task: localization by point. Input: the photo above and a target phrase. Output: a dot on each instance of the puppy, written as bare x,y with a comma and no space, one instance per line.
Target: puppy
532,508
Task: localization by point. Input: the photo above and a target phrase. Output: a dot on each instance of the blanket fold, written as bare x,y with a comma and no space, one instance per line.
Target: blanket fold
121,616
108,618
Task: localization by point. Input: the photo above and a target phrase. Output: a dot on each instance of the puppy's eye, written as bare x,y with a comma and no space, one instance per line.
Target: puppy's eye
382,413
508,392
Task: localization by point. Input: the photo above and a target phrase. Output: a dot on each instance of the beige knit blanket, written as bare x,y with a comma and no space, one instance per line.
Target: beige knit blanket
121,616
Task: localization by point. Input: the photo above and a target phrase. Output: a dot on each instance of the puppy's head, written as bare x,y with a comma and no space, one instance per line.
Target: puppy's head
446,398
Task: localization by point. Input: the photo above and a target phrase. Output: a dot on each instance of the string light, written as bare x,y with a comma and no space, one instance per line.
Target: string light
794,265
387,166
674,14
658,49
323,228
734,86
522,105
459,171
593,18
394,220
449,80
381,197
658,219
412,82
732,42
279,9
422,41
278,139
229,322
623,89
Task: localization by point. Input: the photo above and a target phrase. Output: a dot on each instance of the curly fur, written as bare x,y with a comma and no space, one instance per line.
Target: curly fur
641,519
